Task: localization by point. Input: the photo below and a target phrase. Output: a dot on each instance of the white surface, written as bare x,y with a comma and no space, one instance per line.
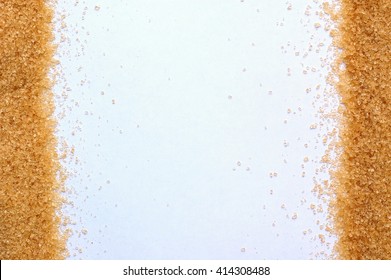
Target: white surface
159,174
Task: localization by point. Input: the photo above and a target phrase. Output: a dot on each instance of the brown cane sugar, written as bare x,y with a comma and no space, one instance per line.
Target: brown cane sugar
361,207
29,168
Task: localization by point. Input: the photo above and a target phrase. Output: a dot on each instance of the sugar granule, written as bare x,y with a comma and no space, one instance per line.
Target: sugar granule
29,186
361,207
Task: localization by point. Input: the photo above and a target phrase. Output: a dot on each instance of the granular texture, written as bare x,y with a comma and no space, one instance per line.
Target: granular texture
29,169
362,204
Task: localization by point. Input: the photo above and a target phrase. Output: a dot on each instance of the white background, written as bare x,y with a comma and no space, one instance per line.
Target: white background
178,112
